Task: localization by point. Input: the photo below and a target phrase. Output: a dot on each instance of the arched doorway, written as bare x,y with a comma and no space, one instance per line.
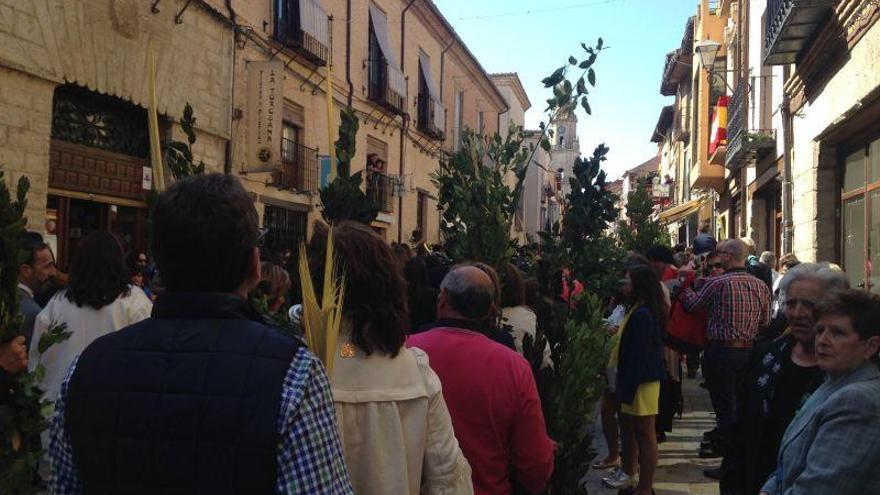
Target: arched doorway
98,161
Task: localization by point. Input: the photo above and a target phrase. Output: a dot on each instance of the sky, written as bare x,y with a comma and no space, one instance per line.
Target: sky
626,102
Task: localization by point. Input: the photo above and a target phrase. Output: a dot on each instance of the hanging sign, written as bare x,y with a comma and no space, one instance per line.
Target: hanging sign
265,102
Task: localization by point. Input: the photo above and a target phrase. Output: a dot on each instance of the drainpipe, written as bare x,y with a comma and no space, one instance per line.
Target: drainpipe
787,226
227,153
405,119
443,64
348,51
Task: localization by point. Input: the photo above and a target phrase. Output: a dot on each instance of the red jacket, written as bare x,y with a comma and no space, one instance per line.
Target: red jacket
492,398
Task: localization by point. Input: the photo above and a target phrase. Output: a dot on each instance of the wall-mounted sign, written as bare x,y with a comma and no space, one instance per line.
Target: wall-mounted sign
265,106
147,178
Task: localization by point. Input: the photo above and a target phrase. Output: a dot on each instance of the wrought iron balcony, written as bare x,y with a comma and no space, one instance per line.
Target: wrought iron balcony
745,146
381,189
303,25
789,26
387,86
432,117
299,168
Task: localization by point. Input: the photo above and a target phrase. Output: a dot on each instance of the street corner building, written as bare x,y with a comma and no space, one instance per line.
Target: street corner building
266,80
773,129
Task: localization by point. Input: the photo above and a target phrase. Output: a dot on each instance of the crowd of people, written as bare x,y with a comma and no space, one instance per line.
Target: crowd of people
175,378
789,354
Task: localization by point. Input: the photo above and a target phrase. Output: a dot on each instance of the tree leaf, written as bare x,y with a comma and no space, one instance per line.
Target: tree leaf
545,144
554,78
586,105
591,76
572,61
599,44
581,86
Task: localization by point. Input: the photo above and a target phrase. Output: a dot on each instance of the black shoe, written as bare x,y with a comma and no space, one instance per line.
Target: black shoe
703,384
712,434
711,451
661,437
714,473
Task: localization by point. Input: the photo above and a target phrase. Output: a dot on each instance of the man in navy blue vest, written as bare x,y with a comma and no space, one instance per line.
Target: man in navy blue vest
204,396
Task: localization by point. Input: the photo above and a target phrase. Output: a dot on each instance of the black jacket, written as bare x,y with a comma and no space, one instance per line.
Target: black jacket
184,402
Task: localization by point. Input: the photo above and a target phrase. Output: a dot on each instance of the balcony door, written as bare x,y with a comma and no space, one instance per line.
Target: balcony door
860,214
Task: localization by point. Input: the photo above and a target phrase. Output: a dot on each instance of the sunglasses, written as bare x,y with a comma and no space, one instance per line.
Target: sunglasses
261,236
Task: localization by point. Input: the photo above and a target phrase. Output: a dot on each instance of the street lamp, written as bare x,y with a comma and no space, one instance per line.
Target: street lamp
707,50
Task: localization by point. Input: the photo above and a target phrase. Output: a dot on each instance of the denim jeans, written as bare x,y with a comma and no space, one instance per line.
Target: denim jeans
724,369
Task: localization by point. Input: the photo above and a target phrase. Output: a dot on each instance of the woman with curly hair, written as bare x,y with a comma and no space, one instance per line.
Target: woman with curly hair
395,428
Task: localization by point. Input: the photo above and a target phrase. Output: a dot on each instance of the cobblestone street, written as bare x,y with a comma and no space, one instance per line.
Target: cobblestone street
680,470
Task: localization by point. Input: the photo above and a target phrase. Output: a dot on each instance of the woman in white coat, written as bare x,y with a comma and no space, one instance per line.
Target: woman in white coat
396,432
97,301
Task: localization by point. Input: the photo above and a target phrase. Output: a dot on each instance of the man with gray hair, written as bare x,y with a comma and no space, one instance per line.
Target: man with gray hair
738,305
489,389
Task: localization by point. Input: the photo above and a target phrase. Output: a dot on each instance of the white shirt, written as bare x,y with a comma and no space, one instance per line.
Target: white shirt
26,289
86,325
523,321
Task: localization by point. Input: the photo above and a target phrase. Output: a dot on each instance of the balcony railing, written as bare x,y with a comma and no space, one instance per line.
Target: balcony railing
789,26
306,30
745,145
299,168
432,117
387,86
380,189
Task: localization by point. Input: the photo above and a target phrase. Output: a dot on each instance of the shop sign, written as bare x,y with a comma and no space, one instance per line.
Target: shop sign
147,178
265,102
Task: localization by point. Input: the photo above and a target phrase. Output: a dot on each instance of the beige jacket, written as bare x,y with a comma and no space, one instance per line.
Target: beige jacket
395,429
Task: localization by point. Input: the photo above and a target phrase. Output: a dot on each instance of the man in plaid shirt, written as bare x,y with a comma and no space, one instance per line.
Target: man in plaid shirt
738,305
204,396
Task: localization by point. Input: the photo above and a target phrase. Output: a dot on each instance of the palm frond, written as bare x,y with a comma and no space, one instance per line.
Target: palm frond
322,321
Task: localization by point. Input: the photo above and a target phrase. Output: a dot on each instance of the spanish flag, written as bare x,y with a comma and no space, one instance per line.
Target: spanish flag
718,137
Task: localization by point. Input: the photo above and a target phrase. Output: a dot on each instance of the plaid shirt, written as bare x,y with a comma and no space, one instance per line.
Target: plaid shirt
309,455
738,305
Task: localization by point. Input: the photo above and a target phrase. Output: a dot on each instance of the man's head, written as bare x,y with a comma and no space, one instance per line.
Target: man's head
734,253
466,293
768,258
660,257
205,236
39,262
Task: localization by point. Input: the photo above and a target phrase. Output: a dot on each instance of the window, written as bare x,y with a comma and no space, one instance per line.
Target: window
481,123
304,26
431,113
860,214
457,129
387,85
380,185
299,164
286,228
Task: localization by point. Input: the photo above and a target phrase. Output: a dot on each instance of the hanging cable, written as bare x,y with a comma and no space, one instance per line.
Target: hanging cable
539,11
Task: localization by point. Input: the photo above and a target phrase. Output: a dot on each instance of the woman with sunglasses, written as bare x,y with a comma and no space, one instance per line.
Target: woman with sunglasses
782,374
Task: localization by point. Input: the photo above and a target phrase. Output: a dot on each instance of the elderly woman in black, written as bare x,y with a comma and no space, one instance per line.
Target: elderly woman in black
832,445
782,374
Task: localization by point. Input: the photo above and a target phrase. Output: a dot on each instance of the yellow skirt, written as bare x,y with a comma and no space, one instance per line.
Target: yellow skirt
646,402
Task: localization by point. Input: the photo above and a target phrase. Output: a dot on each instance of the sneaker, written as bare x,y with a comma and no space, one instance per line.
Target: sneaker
620,480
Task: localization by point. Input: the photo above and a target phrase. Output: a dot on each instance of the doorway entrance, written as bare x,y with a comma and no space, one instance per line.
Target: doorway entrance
77,218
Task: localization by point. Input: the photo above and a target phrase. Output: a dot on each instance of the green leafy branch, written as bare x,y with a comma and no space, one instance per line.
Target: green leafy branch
179,154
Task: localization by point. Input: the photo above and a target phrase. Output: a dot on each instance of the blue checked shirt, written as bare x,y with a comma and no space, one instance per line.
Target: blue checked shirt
309,455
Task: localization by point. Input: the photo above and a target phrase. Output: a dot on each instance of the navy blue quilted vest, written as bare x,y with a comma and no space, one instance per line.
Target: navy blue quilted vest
186,402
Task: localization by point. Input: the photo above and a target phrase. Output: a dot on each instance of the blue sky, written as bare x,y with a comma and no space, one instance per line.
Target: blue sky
626,102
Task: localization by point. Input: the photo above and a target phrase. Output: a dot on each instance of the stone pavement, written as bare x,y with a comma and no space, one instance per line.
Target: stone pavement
680,470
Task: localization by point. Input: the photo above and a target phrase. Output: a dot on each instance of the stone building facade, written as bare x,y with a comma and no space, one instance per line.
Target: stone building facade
74,92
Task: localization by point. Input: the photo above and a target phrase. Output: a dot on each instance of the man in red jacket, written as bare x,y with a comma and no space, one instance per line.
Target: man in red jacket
489,390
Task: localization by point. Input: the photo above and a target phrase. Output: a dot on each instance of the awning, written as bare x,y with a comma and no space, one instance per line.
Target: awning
396,79
683,210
